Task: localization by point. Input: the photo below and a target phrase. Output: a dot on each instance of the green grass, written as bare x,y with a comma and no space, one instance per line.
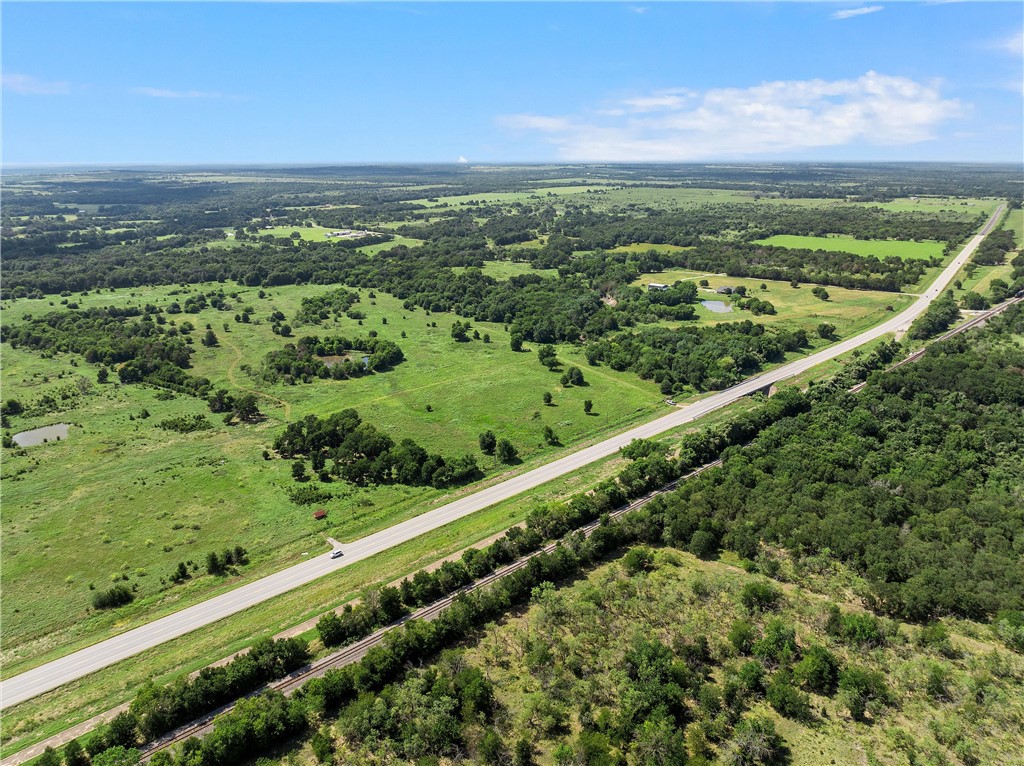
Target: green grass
1015,223
398,240
881,248
143,488
502,270
851,311
60,709
490,198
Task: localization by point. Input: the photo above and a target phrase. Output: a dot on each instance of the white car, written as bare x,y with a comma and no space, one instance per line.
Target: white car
336,554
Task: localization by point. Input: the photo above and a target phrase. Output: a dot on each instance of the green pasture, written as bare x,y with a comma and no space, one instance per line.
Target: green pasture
139,489
502,270
849,310
1015,223
490,198
881,248
57,710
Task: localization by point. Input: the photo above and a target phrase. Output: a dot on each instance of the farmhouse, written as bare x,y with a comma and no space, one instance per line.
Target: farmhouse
320,514
656,287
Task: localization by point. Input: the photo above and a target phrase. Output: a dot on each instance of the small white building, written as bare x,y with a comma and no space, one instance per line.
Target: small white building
653,287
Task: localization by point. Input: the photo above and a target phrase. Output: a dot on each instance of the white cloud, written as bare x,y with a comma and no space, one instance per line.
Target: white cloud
164,93
771,118
849,13
639,9
673,99
462,160
1014,44
28,85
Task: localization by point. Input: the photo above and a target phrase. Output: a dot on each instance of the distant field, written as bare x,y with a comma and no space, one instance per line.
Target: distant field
1015,223
849,310
457,200
398,240
502,270
882,248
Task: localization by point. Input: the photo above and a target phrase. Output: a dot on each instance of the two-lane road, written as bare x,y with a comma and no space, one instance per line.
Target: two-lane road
105,653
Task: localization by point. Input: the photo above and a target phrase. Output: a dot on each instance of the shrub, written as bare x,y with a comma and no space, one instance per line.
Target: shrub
760,596
119,595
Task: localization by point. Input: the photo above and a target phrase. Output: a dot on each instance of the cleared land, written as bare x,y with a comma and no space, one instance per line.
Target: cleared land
140,489
848,310
881,248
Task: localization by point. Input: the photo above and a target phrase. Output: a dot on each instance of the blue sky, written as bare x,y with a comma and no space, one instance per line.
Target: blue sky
394,82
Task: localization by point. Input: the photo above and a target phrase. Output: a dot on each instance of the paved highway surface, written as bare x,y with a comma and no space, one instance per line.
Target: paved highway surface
85,661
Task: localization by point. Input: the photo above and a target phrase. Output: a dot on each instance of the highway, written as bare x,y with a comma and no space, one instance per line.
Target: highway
85,661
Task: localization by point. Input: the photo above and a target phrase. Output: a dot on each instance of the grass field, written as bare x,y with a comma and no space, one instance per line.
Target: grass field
490,198
881,248
67,706
502,270
1015,223
849,310
151,498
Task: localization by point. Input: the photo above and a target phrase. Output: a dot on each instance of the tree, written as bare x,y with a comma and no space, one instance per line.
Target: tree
549,436
573,377
123,730
506,451
786,699
210,339
246,407
547,398
547,356
755,743
820,292
459,330
516,341
818,670
322,746
74,755
522,755
50,757
117,756
826,330
972,301
488,441
299,470
588,406
858,687
102,375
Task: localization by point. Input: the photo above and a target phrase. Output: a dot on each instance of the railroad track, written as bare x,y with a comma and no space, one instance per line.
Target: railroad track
970,324
355,652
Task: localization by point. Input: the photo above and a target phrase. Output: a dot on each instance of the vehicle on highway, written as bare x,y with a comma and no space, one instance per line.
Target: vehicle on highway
336,554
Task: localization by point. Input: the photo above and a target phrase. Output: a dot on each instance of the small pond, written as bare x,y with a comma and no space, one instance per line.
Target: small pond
330,361
56,432
718,307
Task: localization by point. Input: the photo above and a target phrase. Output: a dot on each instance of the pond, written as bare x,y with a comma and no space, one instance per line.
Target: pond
718,307
330,361
56,432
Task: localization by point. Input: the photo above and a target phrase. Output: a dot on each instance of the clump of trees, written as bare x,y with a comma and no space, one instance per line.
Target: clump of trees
361,454
119,595
303,361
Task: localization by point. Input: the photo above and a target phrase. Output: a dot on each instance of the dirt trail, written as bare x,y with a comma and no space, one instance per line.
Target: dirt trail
234,381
